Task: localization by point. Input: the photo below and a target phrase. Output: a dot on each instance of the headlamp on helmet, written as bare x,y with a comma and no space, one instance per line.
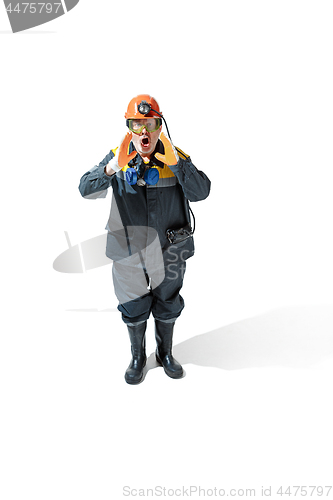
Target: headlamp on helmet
144,107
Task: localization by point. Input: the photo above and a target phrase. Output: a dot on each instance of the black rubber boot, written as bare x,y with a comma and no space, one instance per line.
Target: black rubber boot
134,372
163,335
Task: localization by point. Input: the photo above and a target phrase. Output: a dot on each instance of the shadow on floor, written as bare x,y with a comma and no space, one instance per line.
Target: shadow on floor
292,337
296,337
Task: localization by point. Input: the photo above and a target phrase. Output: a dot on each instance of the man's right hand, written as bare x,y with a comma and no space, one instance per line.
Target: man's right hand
121,157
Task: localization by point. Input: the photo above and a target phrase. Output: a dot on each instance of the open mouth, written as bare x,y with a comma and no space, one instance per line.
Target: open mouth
145,142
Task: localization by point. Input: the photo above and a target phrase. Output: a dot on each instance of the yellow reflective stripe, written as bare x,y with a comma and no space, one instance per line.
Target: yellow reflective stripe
165,172
181,153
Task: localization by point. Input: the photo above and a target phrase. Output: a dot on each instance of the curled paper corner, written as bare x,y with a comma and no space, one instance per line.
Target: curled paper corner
88,254
138,252
25,15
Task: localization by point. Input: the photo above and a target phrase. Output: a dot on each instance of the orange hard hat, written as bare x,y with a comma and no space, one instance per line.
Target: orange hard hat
133,111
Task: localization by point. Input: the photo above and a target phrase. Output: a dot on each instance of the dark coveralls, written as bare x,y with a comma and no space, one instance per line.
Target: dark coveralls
136,241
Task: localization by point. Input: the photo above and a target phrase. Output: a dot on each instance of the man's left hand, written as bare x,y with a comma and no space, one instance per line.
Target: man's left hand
170,156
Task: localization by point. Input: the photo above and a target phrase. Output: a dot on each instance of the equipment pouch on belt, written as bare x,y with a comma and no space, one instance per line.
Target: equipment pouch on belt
177,235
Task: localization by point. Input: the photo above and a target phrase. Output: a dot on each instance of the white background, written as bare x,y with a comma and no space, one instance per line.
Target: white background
246,88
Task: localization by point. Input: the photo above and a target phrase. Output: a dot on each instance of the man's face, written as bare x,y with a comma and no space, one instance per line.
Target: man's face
145,140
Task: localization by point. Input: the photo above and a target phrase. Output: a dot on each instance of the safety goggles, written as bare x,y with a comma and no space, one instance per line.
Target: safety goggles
150,124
